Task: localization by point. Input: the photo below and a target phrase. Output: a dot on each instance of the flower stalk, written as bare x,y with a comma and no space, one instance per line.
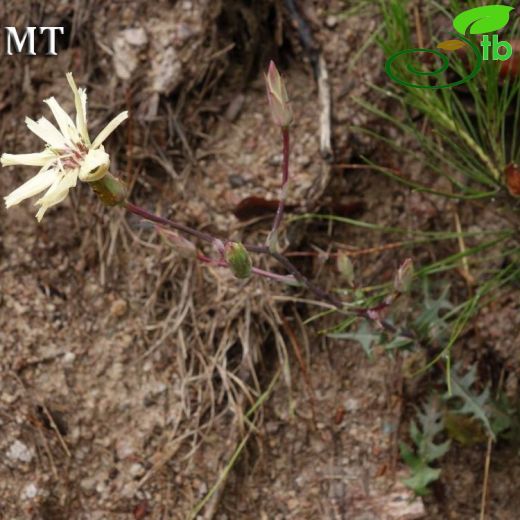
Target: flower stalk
70,155
273,236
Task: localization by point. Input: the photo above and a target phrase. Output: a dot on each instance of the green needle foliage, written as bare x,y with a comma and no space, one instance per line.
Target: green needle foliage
467,134
465,137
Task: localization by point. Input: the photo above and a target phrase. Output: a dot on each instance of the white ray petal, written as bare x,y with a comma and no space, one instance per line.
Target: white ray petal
63,119
40,182
44,206
109,129
27,159
80,100
83,99
94,165
57,192
46,131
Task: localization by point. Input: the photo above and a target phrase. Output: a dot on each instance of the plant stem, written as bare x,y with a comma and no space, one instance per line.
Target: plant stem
318,291
255,270
206,237
321,294
285,178
290,280
152,217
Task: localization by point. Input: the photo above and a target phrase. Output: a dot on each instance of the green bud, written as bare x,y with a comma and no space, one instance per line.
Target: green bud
404,276
345,267
238,259
110,190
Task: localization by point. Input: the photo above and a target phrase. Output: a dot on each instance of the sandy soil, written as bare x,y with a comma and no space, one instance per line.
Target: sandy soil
126,370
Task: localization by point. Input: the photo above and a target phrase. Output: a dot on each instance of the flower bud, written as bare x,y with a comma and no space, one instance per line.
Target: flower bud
110,190
182,246
403,277
238,259
345,267
278,98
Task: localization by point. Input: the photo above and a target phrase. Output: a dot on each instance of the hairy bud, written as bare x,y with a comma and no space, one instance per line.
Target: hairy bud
278,98
238,259
346,268
403,277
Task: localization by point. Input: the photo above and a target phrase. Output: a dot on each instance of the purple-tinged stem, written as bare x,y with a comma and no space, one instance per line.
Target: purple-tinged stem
206,237
152,217
368,314
255,270
285,178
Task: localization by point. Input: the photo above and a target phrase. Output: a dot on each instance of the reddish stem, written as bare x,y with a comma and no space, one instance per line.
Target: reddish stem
255,270
206,237
285,178
141,212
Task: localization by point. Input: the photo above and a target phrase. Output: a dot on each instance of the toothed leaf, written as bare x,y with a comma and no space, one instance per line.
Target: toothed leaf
472,404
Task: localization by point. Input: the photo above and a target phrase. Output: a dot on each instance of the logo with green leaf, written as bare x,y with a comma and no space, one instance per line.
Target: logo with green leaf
478,21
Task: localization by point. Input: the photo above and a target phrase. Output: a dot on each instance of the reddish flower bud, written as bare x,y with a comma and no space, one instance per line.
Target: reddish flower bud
278,98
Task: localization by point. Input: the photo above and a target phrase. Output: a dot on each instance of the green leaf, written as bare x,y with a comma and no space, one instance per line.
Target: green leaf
430,322
364,336
421,479
423,432
480,20
474,405
399,342
436,451
408,456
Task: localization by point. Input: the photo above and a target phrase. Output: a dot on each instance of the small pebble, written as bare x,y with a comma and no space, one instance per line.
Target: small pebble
19,451
331,21
236,181
29,492
276,160
137,470
8,398
118,308
69,358
88,484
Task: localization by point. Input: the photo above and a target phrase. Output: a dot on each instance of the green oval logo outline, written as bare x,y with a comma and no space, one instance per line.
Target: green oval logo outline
439,70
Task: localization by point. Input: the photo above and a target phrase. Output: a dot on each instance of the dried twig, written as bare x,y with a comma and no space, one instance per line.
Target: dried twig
321,75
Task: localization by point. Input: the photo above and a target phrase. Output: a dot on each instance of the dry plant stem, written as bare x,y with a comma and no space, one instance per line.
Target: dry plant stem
285,177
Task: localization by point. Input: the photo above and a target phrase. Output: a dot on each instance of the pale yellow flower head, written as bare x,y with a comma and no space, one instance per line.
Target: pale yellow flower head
69,154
